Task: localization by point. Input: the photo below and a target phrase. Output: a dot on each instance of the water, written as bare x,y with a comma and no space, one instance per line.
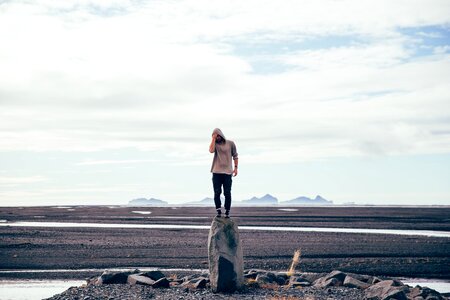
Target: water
428,233
442,286
34,289
141,212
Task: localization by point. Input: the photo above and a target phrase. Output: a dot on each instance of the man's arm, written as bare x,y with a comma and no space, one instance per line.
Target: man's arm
212,146
235,171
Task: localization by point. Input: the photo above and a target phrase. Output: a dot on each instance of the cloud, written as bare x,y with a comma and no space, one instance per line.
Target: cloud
109,162
159,75
16,180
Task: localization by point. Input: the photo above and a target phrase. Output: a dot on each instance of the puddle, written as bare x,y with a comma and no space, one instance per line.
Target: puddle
34,289
288,209
70,209
141,212
39,217
429,233
62,207
3,221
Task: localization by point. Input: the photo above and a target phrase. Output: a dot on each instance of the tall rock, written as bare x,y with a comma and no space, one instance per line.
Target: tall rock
226,262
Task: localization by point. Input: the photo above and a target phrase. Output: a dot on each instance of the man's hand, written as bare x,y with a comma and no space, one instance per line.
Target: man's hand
235,172
214,136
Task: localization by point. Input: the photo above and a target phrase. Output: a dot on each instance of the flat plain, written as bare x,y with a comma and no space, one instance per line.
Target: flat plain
75,248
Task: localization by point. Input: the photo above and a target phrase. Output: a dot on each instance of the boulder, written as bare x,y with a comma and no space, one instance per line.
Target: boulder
109,277
336,274
281,278
386,289
335,278
226,263
297,281
323,283
425,293
311,277
355,283
139,279
161,283
200,284
264,279
154,275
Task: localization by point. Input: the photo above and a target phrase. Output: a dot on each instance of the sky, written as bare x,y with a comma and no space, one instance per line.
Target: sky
102,102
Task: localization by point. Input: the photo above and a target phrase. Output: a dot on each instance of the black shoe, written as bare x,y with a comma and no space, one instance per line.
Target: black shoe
227,214
219,213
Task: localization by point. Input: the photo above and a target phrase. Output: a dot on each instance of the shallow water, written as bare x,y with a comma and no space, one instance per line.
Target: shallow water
141,212
442,286
34,289
429,233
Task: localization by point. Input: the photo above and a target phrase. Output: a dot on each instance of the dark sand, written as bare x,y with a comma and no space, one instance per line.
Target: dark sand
375,254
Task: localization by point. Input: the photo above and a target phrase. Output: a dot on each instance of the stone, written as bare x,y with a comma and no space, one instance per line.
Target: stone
263,279
201,284
297,281
323,282
334,278
155,275
281,279
108,277
336,274
394,293
375,280
351,282
225,257
311,277
362,277
139,279
424,292
386,289
161,283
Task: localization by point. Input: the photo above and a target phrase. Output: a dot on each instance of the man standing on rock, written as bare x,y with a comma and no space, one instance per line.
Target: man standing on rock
224,151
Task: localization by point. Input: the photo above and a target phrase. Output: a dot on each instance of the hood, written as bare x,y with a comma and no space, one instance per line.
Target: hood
219,132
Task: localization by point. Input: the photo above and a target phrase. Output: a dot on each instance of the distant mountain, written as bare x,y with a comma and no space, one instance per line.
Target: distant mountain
307,201
205,202
147,202
266,200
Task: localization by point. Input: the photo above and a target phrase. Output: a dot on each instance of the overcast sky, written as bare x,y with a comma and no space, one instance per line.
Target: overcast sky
105,101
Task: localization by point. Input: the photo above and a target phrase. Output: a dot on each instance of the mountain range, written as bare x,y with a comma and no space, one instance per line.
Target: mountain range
266,200
147,202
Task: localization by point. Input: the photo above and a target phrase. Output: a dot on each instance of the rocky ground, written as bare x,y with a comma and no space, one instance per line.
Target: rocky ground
27,248
259,284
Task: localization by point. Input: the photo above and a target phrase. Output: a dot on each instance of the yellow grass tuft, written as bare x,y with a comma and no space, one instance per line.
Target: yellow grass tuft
295,261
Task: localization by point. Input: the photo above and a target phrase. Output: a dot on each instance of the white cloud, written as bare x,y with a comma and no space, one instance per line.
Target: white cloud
160,75
109,162
16,180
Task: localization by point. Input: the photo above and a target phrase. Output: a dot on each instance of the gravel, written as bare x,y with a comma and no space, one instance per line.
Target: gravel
120,291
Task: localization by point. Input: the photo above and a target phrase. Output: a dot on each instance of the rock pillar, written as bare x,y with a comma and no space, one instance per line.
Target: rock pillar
226,262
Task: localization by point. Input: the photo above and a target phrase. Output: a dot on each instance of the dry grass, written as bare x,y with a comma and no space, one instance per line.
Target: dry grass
295,261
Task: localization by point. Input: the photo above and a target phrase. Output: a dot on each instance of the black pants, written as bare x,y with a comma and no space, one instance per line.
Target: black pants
219,180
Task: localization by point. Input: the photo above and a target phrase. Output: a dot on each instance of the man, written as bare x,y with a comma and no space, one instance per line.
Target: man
224,151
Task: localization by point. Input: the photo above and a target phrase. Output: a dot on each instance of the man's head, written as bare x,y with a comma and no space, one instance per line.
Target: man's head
219,135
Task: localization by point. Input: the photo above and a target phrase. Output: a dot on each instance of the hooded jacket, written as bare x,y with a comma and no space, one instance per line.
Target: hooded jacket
224,154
